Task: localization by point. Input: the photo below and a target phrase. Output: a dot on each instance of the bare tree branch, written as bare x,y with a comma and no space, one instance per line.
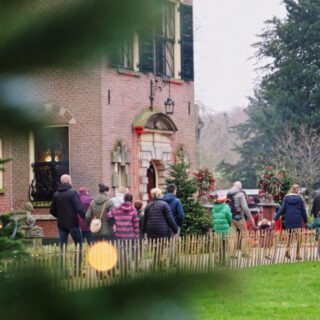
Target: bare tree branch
299,152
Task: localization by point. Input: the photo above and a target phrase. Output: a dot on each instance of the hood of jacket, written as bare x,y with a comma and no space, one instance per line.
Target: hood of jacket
64,187
293,199
118,199
100,198
169,197
126,207
233,191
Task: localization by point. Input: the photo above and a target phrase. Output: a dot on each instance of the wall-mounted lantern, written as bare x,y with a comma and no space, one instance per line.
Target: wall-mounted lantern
155,85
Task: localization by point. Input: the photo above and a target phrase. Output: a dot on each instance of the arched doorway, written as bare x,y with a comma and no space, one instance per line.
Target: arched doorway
155,136
152,179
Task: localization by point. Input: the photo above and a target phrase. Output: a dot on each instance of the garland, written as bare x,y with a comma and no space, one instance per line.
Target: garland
274,182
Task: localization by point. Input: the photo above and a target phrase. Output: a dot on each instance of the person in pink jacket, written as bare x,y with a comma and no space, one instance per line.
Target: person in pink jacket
125,219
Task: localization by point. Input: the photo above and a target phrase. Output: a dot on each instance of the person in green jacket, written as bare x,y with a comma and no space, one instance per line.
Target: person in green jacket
222,218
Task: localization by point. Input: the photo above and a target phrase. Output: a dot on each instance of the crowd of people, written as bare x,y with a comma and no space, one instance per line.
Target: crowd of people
231,213
122,217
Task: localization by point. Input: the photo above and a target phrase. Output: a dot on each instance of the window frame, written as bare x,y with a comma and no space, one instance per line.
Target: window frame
155,43
131,45
168,38
125,53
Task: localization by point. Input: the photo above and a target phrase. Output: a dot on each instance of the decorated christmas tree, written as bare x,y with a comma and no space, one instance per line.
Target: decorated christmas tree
197,219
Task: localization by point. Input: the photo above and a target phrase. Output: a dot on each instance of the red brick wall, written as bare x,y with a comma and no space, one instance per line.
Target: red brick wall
78,91
50,229
84,93
129,96
20,170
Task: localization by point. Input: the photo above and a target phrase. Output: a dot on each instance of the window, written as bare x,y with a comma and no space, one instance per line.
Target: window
51,144
51,160
167,40
126,55
158,47
168,51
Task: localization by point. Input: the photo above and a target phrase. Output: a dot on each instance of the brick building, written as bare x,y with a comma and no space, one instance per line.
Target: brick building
108,121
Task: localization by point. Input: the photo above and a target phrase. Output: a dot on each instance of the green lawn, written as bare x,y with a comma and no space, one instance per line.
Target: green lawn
287,291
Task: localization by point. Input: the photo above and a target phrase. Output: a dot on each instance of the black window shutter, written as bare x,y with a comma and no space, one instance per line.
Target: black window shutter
147,51
160,54
186,19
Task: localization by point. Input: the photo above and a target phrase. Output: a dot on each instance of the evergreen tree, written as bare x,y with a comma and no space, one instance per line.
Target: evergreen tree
197,220
12,244
288,94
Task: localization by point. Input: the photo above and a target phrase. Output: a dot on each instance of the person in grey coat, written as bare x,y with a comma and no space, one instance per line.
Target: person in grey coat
95,208
240,211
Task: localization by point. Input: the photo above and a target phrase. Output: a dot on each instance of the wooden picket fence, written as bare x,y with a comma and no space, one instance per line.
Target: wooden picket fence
160,257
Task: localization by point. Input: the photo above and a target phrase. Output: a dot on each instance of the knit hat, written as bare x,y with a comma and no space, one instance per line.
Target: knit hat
83,190
221,198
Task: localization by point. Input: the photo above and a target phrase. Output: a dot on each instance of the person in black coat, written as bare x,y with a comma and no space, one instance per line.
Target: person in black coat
316,206
65,206
158,220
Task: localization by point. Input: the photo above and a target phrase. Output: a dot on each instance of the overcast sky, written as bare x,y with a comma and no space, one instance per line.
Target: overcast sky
224,32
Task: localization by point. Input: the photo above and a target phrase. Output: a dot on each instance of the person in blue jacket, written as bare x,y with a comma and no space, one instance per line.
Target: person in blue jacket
175,204
295,216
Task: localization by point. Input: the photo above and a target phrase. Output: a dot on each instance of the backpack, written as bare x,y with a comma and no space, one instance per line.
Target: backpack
230,202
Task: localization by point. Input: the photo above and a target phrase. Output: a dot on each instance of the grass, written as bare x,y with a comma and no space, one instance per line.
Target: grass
287,291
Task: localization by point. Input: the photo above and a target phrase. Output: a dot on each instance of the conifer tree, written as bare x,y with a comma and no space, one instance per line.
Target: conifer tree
288,94
197,220
12,244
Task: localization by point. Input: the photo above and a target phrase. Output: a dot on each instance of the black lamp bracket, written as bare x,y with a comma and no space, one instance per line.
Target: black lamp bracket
157,85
